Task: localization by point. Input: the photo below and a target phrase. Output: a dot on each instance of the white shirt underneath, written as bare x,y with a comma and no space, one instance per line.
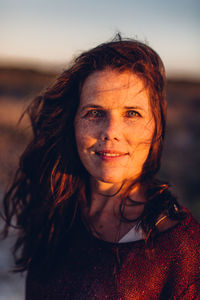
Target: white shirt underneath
133,235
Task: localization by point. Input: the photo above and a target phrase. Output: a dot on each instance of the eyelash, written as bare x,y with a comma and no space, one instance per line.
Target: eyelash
90,114
136,114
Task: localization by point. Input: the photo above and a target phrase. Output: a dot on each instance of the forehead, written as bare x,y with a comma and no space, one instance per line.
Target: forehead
114,87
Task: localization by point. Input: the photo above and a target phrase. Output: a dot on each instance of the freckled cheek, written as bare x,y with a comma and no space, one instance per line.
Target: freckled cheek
85,137
141,134
138,141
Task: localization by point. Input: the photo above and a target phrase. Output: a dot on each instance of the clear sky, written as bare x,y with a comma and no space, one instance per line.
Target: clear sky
53,31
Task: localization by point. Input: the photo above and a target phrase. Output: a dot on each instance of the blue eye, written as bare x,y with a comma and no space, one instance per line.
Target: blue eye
94,114
132,114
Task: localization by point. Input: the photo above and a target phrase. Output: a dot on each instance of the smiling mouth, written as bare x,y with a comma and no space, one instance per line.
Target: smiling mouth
106,155
109,154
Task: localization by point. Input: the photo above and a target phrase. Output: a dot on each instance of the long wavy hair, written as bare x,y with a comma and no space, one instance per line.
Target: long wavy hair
51,182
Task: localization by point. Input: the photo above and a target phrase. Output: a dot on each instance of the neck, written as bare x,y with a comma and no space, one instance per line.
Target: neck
106,198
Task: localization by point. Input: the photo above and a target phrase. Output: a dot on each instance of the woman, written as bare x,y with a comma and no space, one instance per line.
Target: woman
94,221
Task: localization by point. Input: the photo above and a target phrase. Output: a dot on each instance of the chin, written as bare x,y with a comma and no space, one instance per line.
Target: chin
118,178
110,179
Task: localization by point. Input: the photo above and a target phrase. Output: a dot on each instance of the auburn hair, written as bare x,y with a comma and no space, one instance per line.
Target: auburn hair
50,183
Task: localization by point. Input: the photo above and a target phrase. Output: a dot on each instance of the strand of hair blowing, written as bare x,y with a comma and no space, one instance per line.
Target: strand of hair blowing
51,182
45,191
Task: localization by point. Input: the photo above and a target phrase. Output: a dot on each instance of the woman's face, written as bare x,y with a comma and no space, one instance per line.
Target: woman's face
114,125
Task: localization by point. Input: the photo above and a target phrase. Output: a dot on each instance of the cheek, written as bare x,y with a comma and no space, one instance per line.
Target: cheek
140,137
146,132
84,135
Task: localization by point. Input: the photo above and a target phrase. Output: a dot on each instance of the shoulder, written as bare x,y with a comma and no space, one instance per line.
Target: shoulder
187,231
178,248
187,235
182,244
183,235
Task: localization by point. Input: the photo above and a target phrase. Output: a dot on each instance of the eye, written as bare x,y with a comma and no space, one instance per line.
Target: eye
94,114
132,114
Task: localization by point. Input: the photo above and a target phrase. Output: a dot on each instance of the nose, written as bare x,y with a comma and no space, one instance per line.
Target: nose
111,129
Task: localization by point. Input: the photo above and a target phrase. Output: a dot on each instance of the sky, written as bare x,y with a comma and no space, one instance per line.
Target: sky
52,32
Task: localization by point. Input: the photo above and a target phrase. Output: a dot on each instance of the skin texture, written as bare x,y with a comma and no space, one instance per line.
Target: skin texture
114,127
114,115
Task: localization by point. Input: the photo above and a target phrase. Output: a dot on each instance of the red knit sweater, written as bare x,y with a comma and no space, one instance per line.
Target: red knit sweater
95,269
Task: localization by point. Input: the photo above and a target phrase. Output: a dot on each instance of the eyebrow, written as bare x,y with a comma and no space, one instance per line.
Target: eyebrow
101,107
133,107
90,106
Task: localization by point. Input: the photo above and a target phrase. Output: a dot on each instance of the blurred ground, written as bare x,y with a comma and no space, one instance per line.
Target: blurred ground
181,159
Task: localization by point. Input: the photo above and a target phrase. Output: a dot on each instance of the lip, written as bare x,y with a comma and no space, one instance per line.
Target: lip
110,154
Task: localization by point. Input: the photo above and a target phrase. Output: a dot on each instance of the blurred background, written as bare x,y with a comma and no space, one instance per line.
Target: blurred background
38,39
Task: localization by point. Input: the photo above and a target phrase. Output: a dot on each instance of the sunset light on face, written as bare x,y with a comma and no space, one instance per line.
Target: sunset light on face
114,126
